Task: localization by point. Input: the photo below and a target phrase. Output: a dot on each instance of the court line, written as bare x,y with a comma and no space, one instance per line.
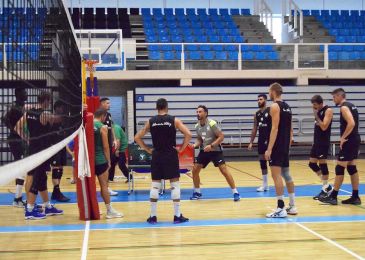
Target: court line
330,241
85,243
249,174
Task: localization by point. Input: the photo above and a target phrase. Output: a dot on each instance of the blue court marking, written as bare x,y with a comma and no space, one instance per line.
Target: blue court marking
192,223
208,193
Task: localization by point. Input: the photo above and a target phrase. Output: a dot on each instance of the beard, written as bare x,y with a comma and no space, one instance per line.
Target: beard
261,105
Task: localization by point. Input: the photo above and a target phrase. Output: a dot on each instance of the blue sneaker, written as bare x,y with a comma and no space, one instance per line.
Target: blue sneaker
52,211
236,197
196,196
34,214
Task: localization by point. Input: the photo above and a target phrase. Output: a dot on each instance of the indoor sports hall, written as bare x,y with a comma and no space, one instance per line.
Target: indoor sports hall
182,129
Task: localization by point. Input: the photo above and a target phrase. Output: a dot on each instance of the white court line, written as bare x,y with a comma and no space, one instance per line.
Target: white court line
345,191
85,243
330,241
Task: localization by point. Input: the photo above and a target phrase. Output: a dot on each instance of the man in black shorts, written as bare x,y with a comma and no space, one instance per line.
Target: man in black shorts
209,139
59,159
349,149
321,143
17,146
277,152
165,161
262,122
39,122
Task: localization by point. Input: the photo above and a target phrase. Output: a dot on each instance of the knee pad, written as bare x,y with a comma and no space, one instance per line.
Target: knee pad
19,182
57,173
339,170
324,168
263,165
175,190
314,167
286,175
351,169
155,189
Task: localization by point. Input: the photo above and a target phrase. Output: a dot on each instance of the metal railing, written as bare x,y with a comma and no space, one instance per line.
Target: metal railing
266,14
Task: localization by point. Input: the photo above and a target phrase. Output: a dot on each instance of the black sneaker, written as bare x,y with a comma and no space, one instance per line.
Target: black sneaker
181,219
19,203
196,196
152,220
58,196
328,200
352,201
322,194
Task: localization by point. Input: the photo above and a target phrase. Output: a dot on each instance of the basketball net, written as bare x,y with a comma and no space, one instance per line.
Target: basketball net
90,68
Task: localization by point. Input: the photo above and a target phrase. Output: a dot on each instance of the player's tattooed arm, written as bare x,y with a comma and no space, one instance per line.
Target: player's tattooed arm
253,133
138,138
326,120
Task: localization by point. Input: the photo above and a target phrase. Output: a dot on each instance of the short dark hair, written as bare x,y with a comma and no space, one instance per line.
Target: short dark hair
204,108
19,91
317,99
43,96
262,95
161,104
100,112
277,88
58,104
339,91
104,99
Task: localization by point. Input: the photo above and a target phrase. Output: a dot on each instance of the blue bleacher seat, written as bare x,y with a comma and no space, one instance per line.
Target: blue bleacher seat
192,47
146,11
205,47
344,55
153,47
347,47
359,47
245,12
223,11
335,12
202,11
213,38
355,55
190,11
213,11
354,12
272,55
260,55
360,38
168,11
231,47
179,12
169,55
221,55
235,11
226,39
208,55
232,55
247,56
332,56
166,47
315,12
345,13
245,48
154,55
194,55
351,38
157,11
362,12
306,12
341,39
217,47
176,38
325,12
332,48
362,55
266,48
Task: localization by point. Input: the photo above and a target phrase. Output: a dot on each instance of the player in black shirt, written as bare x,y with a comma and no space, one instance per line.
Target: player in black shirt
39,121
277,152
165,161
262,123
16,145
321,143
349,149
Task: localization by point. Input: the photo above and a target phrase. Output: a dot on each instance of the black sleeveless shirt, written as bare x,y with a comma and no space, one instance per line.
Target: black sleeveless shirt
36,130
322,137
163,132
282,142
263,123
343,124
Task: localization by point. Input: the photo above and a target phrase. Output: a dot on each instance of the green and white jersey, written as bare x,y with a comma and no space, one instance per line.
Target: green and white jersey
208,133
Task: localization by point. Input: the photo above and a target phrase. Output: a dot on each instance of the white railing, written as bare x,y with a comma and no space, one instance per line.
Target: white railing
265,13
293,19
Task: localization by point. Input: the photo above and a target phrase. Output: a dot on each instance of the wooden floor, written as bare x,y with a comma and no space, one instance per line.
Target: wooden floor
218,228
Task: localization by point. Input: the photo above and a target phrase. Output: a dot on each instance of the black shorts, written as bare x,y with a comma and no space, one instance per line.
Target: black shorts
59,159
319,151
101,168
44,167
204,158
262,146
279,159
350,150
165,165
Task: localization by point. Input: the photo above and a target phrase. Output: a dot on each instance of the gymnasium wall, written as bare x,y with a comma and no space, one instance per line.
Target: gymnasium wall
234,107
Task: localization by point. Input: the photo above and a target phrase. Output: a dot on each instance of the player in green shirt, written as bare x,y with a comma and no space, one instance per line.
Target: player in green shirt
120,157
102,160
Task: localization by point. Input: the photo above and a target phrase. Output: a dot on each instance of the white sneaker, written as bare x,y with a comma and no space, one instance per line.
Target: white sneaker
112,213
112,193
278,213
292,210
262,188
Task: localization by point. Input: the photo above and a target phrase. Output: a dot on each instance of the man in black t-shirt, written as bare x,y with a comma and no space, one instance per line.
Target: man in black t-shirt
349,149
165,161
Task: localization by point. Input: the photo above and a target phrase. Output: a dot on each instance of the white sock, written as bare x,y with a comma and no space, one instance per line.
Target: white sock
18,191
108,206
153,208
30,207
291,199
177,208
197,190
325,183
47,204
234,191
264,180
280,197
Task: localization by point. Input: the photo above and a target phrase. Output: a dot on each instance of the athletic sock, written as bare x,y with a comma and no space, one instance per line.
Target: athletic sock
355,193
154,208
197,190
47,204
291,199
177,208
234,191
108,206
30,207
334,193
264,180
280,202
324,184
18,191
